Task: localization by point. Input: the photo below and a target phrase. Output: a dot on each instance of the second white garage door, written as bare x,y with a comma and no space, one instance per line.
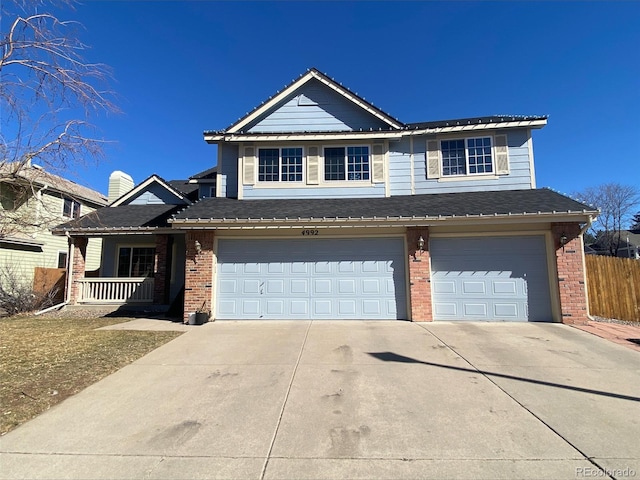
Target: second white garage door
354,278
490,278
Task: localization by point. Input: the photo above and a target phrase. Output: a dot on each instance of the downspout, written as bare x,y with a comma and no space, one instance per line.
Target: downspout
586,225
586,290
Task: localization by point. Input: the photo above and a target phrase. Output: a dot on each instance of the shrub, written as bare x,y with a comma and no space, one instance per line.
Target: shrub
17,294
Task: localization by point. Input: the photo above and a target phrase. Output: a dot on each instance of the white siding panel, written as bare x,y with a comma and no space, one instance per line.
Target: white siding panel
316,107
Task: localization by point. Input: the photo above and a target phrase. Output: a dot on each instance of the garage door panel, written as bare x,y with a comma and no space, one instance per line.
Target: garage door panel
322,286
299,286
251,268
250,286
275,267
346,307
299,268
322,307
506,310
372,307
490,278
444,287
275,286
250,307
311,278
473,288
371,286
478,310
275,307
322,267
504,288
299,308
445,310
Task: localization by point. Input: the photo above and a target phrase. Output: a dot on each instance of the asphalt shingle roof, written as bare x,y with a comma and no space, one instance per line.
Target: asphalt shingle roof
428,205
124,217
473,121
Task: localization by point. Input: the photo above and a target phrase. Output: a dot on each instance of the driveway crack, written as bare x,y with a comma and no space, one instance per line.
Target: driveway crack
284,402
488,377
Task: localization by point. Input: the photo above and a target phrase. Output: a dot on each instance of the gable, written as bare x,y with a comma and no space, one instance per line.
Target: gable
314,107
155,194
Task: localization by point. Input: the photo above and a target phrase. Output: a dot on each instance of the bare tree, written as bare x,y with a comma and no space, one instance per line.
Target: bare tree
48,94
616,204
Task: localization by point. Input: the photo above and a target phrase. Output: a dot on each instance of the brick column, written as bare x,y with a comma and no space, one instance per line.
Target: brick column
79,249
419,275
571,273
160,269
198,271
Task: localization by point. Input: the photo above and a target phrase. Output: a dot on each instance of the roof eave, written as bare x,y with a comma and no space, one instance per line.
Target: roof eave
265,223
98,232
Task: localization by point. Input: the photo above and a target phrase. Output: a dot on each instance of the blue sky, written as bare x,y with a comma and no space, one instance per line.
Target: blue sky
184,67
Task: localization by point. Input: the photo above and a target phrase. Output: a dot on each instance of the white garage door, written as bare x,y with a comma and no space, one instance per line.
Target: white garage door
362,278
490,278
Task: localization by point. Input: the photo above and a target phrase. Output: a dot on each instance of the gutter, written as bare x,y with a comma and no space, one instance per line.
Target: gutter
252,223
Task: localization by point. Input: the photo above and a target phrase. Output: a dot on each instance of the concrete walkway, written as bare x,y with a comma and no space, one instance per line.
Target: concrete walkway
284,400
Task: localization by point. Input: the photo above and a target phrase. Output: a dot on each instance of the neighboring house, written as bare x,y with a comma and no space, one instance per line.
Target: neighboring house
32,202
629,246
326,207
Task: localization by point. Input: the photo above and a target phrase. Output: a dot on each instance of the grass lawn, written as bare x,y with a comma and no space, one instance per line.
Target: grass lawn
47,359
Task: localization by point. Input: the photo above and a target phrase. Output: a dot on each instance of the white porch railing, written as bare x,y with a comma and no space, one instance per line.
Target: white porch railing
116,290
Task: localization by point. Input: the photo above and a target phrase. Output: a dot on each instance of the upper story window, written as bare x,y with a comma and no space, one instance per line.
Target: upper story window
280,164
468,156
71,208
346,163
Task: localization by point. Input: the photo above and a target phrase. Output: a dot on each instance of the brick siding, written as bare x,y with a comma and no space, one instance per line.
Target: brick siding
571,274
198,272
78,266
419,275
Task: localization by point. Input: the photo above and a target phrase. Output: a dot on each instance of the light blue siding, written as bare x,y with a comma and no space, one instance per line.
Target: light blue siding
348,279
228,170
519,176
313,108
155,194
490,278
110,246
400,167
251,192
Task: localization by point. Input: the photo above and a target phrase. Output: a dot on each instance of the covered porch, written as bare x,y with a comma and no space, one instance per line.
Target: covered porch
135,270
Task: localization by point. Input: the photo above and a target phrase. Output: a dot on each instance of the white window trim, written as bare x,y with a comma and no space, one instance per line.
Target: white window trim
73,201
279,183
67,259
129,245
467,176
344,183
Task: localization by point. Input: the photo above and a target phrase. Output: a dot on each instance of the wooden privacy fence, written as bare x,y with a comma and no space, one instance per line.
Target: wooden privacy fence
614,287
50,280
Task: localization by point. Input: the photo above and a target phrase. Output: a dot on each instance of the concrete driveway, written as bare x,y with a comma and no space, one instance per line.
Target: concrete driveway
349,400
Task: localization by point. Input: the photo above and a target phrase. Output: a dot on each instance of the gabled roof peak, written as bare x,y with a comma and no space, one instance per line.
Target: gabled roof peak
312,73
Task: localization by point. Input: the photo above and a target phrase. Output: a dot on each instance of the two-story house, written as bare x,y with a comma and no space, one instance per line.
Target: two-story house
326,207
32,202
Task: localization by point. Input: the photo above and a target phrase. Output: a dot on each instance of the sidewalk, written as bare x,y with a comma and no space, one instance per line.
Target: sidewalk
627,335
